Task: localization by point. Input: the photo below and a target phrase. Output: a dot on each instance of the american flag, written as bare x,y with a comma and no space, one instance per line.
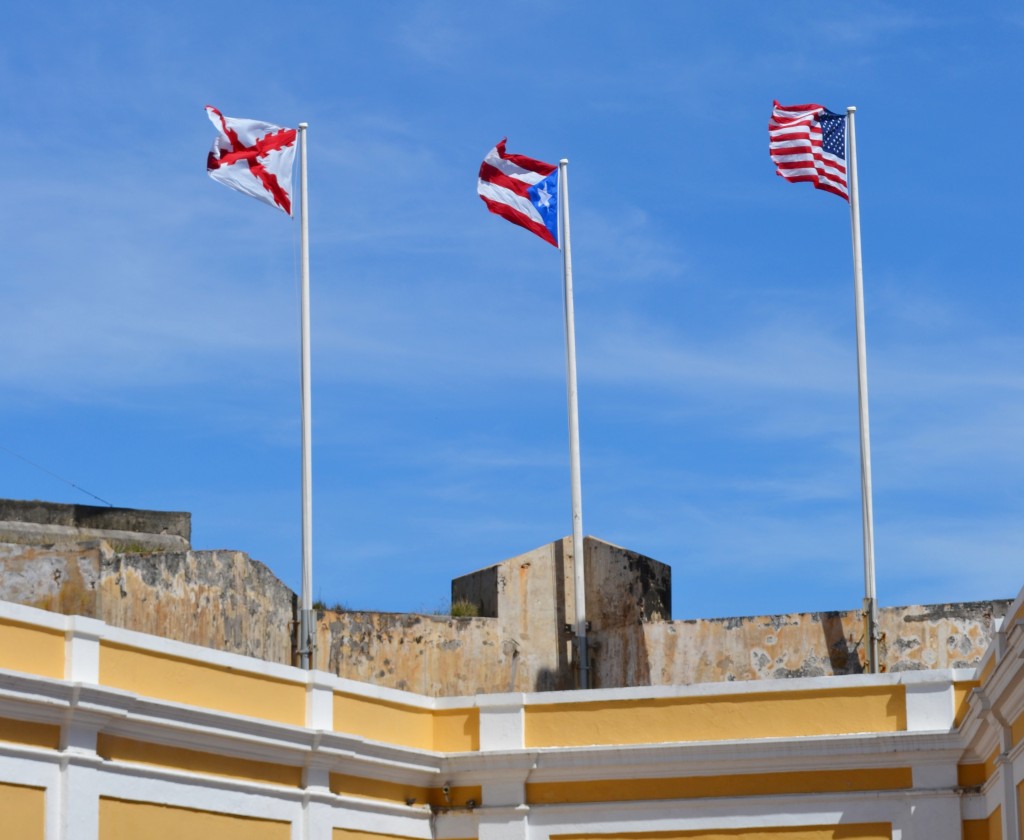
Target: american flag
808,143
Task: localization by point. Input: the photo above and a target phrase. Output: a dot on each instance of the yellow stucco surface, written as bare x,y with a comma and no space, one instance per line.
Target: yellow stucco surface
961,693
447,730
970,775
747,784
26,732
457,730
995,825
975,830
394,792
22,812
853,831
123,820
114,748
352,834
1017,729
1020,803
198,684
34,650
406,726
724,717
987,668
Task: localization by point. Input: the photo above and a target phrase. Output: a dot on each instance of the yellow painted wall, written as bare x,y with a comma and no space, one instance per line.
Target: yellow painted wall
975,830
22,812
987,668
26,732
114,748
990,763
457,730
1017,730
406,726
961,691
448,730
775,715
347,785
971,775
33,650
854,831
352,834
995,825
747,784
122,820
198,684
1020,806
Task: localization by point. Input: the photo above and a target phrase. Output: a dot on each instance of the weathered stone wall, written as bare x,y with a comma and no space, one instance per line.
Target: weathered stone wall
533,593
624,588
219,599
532,596
60,578
428,654
44,523
224,599
794,645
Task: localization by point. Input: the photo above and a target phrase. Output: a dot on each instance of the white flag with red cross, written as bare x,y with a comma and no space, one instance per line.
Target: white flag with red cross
253,157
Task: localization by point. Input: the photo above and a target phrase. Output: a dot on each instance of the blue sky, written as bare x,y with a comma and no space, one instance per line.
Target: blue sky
149,316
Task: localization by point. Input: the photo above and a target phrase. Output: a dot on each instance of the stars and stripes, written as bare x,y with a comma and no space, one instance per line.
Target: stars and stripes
808,143
522,190
253,157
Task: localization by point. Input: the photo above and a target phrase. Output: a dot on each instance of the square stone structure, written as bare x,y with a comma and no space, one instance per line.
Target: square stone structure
532,596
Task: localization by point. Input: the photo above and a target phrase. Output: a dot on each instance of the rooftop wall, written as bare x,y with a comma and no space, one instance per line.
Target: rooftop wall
522,642
772,647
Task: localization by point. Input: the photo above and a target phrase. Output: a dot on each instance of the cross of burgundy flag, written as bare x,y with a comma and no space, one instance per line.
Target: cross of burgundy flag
253,157
808,143
522,190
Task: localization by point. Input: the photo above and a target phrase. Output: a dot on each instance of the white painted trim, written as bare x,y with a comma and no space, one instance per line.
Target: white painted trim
502,727
931,706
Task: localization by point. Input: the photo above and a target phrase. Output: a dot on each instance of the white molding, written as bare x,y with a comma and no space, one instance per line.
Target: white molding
82,649
502,725
319,702
931,706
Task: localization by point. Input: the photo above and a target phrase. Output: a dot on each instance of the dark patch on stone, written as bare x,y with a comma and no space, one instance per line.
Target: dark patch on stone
908,666
959,609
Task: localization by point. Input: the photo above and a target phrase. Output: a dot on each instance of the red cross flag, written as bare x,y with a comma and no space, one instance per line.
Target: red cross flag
253,157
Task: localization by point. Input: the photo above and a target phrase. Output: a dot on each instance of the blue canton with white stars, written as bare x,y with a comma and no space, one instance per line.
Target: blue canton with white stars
833,133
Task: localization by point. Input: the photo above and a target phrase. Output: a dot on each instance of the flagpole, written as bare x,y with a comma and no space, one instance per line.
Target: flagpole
574,429
867,515
306,622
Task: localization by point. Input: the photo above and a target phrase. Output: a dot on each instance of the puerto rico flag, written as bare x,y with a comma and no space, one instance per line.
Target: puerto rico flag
523,190
253,157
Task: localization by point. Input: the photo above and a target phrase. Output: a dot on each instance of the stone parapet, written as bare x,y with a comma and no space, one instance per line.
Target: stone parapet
78,560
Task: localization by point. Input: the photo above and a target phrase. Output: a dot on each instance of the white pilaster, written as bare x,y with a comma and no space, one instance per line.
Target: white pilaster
320,701
931,706
502,722
79,800
82,650
504,823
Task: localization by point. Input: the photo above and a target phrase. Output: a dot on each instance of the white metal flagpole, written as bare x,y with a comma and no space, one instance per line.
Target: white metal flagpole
867,515
574,428
306,622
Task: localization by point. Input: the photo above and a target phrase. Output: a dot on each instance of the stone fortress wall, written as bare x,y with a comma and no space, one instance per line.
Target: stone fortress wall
136,569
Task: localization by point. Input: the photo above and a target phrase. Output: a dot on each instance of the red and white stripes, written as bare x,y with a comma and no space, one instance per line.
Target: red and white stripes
796,148
504,185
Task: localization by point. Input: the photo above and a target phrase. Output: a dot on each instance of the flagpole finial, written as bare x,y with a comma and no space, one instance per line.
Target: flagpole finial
850,109
564,160
303,126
